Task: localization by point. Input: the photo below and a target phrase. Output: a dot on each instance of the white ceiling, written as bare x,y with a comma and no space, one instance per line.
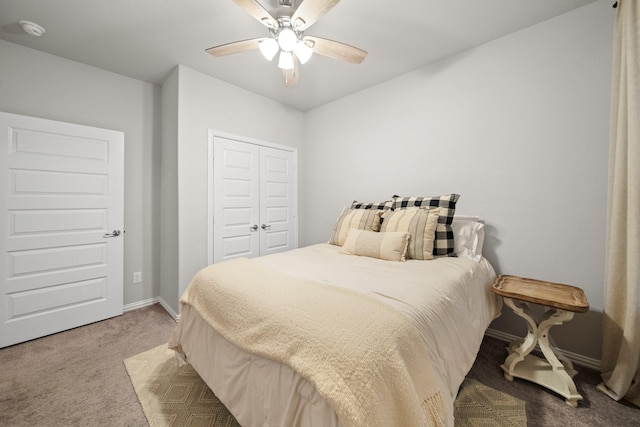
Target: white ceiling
146,39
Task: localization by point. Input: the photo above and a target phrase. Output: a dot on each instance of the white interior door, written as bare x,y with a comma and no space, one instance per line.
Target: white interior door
236,213
253,206
61,199
277,201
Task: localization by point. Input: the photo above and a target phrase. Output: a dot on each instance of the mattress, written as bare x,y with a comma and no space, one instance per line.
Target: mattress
448,299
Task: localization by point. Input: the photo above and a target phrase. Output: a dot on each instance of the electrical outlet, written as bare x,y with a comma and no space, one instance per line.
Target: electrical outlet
137,277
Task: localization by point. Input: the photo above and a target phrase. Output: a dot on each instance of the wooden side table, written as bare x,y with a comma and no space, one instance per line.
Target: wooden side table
554,372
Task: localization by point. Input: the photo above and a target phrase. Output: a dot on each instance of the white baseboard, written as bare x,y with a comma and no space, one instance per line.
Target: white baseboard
576,358
139,304
167,307
151,301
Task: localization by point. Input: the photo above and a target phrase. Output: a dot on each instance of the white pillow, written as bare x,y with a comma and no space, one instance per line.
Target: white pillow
468,236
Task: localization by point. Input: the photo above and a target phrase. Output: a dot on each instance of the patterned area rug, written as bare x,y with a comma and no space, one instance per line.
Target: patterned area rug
173,396
479,405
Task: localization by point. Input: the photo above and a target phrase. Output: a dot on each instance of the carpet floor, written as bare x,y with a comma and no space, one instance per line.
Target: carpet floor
78,378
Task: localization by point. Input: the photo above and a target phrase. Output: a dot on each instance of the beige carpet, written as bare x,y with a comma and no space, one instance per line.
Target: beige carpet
176,396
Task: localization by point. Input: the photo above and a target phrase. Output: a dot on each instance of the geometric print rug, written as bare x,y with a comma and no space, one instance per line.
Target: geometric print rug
176,396
173,395
479,405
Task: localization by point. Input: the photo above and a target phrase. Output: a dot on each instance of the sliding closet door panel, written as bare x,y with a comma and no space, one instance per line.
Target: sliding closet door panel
236,191
277,200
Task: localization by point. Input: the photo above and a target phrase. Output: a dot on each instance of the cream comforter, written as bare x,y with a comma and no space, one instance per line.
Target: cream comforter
448,300
362,355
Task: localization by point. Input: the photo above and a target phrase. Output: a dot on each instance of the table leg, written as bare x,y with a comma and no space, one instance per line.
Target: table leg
518,350
550,373
551,318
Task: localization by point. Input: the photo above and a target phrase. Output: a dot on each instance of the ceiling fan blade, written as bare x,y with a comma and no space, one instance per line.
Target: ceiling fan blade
255,9
336,50
291,76
310,11
235,47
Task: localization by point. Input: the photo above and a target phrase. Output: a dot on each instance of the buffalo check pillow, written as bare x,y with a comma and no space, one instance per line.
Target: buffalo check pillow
444,242
372,205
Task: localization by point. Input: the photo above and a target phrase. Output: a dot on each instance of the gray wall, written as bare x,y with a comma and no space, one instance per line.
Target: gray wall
207,103
518,127
37,84
168,213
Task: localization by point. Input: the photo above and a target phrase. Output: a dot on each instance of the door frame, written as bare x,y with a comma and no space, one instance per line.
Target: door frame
212,134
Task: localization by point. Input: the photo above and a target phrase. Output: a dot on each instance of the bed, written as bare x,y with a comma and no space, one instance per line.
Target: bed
428,317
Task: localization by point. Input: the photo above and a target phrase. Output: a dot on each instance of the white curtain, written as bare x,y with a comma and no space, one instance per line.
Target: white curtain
621,344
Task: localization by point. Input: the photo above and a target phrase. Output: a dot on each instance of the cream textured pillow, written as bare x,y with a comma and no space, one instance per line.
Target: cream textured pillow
390,246
361,219
420,223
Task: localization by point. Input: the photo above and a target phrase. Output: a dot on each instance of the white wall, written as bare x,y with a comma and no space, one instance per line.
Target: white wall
207,103
36,84
517,126
168,213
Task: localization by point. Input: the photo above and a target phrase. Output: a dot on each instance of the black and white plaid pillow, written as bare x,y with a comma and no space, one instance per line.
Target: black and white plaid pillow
443,244
376,205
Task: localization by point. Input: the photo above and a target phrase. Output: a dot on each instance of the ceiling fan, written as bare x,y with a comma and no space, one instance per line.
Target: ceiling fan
286,24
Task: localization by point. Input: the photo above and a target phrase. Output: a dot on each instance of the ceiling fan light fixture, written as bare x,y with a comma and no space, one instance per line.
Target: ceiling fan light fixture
287,21
287,39
303,51
269,48
285,61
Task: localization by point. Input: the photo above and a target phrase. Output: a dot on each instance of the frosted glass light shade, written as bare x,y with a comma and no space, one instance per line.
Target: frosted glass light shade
286,60
303,52
269,48
287,39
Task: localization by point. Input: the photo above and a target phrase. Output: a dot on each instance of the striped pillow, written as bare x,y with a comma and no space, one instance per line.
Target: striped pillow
390,246
420,223
443,245
383,206
361,219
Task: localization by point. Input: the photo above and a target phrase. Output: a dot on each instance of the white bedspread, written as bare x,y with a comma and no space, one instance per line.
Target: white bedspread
448,299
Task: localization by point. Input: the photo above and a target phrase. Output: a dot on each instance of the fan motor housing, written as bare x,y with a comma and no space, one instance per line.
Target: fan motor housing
281,12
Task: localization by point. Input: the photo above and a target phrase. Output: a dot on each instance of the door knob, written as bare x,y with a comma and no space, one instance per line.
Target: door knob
115,233
266,227
254,227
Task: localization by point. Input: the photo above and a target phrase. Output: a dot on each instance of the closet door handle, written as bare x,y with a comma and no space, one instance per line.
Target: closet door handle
254,227
266,227
115,233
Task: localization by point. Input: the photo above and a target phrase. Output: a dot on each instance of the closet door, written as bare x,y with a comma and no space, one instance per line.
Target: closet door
254,199
236,205
277,201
